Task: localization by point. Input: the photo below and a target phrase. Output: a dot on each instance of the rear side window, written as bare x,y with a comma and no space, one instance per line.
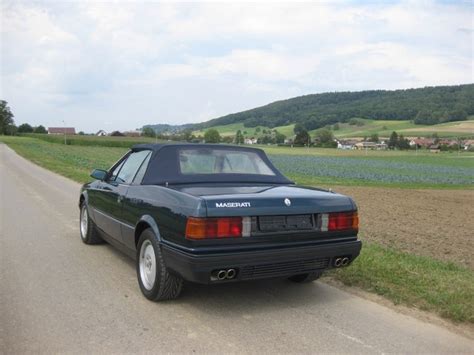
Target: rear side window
130,167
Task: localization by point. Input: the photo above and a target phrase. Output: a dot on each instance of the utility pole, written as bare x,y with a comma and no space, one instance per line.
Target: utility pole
65,139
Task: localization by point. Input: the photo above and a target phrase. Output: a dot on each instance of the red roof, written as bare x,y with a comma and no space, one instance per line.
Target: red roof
61,130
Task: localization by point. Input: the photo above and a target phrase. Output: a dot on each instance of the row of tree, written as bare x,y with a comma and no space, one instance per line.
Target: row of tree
7,123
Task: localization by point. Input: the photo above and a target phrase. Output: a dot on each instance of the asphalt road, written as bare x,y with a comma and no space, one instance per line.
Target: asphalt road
59,295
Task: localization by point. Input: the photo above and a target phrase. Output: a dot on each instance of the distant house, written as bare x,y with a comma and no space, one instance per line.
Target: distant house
250,140
101,133
132,133
365,145
434,148
346,144
421,142
468,144
289,141
62,130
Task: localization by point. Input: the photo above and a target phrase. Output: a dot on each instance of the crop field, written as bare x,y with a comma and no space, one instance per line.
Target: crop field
412,238
373,171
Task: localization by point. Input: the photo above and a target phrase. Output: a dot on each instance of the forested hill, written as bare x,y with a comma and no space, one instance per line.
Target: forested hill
428,105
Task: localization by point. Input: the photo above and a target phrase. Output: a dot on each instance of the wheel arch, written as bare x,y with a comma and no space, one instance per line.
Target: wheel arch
83,197
146,222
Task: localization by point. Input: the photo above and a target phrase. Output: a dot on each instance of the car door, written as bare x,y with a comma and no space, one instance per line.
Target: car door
108,202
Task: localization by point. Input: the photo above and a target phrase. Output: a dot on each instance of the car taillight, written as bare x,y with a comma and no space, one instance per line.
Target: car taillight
209,228
339,221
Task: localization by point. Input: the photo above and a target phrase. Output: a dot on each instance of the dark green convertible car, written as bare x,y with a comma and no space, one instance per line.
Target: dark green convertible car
214,214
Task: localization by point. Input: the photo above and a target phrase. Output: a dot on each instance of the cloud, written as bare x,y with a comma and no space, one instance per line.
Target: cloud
125,64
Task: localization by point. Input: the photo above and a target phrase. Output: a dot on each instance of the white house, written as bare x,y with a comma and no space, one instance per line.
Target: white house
101,133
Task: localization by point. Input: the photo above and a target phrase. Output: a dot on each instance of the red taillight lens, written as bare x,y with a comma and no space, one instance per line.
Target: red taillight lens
208,228
340,221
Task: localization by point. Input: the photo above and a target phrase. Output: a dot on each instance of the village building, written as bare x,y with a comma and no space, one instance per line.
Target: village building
62,130
346,144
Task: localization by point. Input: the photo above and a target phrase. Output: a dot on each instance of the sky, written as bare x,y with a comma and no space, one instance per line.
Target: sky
119,65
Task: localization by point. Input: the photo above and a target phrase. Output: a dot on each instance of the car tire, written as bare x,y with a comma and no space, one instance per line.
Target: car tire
87,228
154,278
305,278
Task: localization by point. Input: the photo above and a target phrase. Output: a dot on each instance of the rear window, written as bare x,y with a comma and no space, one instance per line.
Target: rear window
221,161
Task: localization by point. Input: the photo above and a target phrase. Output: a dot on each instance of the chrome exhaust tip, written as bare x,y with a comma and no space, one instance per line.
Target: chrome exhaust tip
221,275
345,261
231,273
338,262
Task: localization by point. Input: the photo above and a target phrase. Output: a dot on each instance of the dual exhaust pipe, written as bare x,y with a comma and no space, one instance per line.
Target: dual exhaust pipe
222,275
342,261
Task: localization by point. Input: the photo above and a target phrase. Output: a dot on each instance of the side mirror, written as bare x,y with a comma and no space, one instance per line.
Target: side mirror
99,174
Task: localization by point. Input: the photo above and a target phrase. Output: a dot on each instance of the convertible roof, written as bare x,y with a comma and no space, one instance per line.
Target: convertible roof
164,167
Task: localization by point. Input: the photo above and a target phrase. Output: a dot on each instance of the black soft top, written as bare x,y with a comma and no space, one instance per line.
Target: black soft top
164,166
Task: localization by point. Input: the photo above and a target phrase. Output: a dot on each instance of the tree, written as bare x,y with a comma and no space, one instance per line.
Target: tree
148,132
116,134
299,128
336,127
279,137
302,138
425,117
435,137
81,133
393,140
11,130
324,136
41,130
6,117
25,128
212,136
403,143
187,135
374,138
239,137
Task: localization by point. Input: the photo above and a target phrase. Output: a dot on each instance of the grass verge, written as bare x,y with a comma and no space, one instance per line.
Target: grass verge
422,282
73,162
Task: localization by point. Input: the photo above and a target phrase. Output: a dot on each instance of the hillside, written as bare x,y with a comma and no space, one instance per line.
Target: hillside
364,128
430,105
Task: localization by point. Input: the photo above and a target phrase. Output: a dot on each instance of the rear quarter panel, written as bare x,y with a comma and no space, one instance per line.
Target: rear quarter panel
168,208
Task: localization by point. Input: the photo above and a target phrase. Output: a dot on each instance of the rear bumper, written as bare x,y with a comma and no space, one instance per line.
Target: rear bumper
259,264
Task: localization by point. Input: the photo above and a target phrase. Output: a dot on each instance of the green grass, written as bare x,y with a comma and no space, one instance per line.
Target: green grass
406,279
119,142
411,280
72,161
382,127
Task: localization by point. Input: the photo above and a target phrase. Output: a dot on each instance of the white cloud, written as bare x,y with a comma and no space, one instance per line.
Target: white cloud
132,63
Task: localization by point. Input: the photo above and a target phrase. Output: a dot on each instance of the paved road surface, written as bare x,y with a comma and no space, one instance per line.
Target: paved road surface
58,295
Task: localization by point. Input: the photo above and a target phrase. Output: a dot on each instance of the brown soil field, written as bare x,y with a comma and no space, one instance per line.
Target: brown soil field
436,223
